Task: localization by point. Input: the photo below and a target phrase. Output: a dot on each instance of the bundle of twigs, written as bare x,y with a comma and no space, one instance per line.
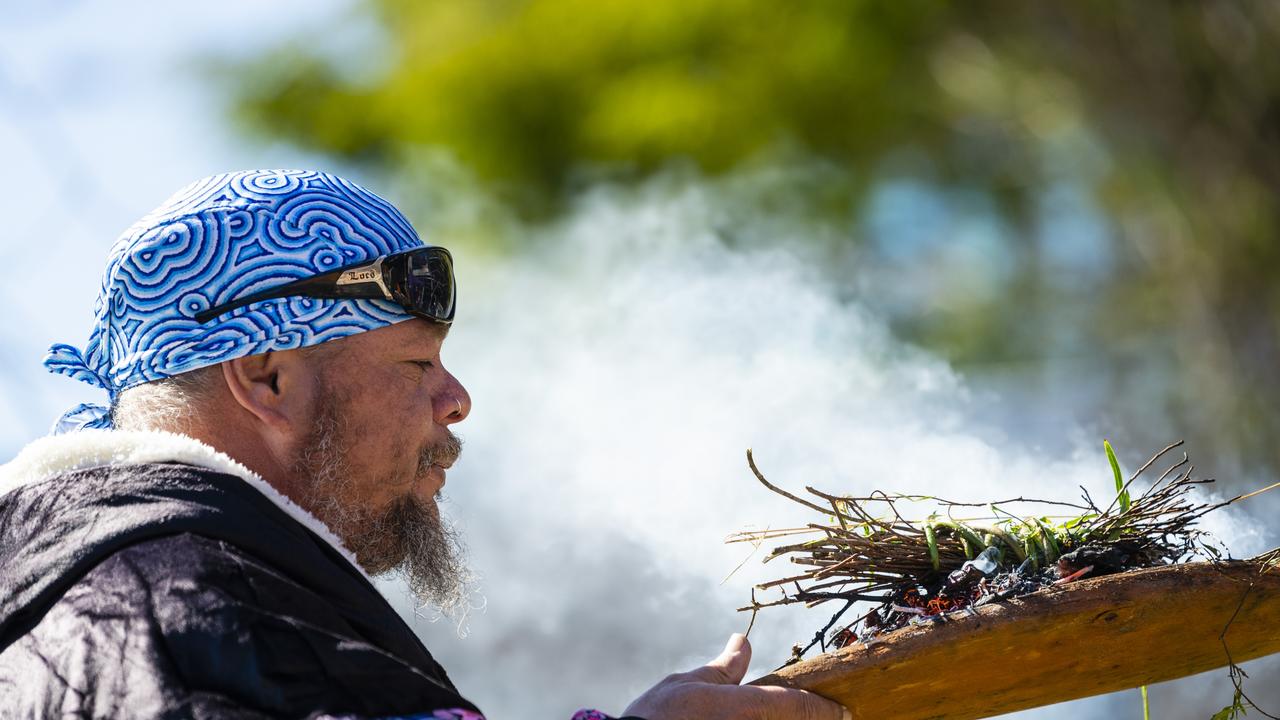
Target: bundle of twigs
867,549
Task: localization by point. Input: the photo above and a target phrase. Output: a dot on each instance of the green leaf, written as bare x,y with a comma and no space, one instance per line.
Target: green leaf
1077,521
1115,470
1235,710
1048,542
968,537
933,546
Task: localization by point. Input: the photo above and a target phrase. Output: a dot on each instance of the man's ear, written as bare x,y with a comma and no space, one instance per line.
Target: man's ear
275,387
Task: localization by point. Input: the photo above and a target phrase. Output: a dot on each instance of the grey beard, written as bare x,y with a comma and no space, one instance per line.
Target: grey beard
408,538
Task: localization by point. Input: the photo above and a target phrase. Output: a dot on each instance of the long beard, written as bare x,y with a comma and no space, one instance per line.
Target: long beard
407,538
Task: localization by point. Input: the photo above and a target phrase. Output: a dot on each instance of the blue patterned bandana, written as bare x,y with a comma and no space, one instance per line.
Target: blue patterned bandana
216,240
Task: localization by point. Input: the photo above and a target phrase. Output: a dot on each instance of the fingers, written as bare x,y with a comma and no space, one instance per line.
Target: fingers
734,659
713,692
779,702
729,667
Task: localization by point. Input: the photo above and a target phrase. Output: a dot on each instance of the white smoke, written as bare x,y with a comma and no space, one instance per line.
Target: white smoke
613,400
620,364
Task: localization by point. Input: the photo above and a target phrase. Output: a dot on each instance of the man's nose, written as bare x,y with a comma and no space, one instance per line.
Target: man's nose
452,404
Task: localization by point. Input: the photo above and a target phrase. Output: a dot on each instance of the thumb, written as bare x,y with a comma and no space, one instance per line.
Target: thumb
730,667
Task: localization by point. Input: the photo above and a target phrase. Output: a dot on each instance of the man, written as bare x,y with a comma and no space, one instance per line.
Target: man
278,431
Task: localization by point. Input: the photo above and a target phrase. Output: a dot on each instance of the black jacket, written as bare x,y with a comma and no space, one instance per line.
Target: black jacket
169,590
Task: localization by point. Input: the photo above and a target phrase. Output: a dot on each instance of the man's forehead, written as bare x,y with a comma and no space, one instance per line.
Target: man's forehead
415,333
435,330
414,337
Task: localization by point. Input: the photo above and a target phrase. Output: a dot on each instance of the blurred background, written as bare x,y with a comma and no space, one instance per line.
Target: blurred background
907,246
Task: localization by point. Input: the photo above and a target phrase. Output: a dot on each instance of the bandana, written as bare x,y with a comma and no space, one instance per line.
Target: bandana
218,239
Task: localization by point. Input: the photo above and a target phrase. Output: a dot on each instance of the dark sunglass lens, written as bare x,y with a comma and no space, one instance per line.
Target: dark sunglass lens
430,284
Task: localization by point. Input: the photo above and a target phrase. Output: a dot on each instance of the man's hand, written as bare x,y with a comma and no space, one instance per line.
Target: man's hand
712,692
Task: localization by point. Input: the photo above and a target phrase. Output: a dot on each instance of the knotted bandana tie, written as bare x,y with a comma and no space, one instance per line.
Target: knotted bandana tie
216,240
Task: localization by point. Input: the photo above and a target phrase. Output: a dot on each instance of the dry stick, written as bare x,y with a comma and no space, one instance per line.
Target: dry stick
1153,503
1246,496
757,544
893,551
884,498
1133,477
886,583
1156,457
1272,486
811,599
766,534
781,581
821,635
835,508
1235,671
755,608
1165,474
760,476
853,558
1010,501
833,568
848,503
1089,500
760,606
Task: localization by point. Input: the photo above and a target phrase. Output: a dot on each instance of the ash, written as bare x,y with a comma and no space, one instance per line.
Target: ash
983,580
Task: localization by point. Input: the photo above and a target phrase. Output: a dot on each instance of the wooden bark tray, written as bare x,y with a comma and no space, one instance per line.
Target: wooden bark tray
1084,638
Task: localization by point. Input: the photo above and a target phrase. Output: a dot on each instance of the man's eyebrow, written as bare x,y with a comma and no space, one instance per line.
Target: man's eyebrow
440,330
435,335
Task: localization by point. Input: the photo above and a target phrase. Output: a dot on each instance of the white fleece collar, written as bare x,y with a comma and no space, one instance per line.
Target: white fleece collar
93,448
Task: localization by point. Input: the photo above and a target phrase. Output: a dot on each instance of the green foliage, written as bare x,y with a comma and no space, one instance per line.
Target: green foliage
973,543
1159,117
1047,535
1235,710
528,93
1122,494
873,540
931,541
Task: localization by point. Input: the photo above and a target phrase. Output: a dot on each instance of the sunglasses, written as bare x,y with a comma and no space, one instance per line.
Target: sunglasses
418,280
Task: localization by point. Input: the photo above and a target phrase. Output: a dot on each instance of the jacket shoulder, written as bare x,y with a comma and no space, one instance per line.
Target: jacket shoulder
169,623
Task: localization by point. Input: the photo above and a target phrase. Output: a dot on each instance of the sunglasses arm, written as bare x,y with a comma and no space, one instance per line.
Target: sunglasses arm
360,282
363,276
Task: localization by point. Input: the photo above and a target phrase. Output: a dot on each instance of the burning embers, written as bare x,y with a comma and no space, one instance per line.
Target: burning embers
965,555
976,583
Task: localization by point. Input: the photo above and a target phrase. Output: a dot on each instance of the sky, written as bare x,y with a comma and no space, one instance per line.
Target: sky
105,110
619,369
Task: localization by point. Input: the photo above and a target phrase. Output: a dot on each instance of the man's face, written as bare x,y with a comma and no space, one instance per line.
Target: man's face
374,459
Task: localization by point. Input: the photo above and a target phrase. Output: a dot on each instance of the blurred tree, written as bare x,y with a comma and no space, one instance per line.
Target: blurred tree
1150,130
528,93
